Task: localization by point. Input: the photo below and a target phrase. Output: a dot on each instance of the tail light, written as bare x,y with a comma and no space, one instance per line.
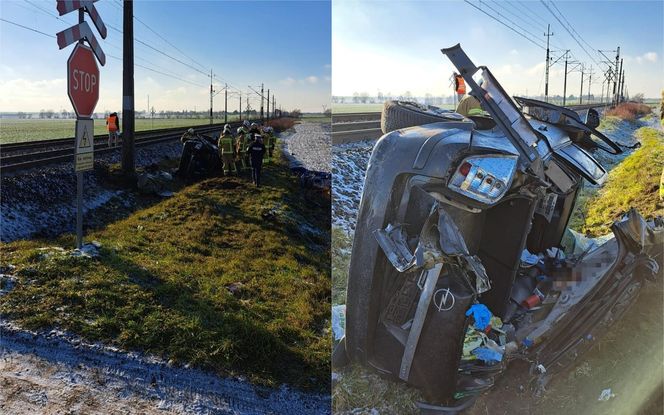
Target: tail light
484,178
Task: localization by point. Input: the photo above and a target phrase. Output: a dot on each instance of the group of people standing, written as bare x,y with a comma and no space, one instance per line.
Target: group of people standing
247,149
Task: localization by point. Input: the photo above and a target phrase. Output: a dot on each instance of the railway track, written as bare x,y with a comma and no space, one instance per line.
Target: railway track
351,127
25,155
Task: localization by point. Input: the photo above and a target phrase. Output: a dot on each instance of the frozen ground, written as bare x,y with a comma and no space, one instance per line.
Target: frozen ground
310,145
42,201
349,163
56,373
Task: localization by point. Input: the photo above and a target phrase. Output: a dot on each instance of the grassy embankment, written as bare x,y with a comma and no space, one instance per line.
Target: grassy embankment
634,183
201,278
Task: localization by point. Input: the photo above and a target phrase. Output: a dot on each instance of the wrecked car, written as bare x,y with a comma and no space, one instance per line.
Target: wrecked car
457,265
200,156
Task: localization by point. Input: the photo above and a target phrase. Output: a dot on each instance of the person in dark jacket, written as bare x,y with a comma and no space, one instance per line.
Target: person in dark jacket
256,151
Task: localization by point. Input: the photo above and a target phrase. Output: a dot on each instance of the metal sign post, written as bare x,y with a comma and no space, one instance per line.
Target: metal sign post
84,162
83,89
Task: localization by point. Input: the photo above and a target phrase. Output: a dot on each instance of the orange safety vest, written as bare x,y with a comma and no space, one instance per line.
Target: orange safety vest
459,85
111,124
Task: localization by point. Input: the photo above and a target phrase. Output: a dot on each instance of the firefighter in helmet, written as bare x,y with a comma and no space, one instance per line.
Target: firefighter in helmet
227,151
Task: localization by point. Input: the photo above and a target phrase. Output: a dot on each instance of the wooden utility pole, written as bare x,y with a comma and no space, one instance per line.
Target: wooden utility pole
128,156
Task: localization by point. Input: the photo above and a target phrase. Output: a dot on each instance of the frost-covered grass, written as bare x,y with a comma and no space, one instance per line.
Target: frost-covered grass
200,278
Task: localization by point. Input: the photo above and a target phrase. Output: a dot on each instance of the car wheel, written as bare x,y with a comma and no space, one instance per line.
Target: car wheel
404,114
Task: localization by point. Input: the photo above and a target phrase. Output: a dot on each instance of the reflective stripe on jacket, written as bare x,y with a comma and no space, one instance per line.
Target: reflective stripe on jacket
226,144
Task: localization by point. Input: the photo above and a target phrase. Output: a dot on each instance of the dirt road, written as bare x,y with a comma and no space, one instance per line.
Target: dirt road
55,373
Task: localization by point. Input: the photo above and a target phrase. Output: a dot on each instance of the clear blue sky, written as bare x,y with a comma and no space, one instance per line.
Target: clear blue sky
395,46
285,45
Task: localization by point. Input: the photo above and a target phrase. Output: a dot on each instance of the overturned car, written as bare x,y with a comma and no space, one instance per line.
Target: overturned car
456,265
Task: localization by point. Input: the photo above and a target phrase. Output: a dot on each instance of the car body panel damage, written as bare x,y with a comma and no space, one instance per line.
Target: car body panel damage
459,225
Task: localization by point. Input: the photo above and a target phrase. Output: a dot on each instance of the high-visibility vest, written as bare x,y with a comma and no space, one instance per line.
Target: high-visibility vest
459,84
226,144
112,125
241,143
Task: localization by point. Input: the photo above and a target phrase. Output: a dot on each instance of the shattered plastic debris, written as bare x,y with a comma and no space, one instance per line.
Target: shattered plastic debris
472,341
481,315
583,244
439,238
555,253
338,321
528,259
393,242
488,355
606,395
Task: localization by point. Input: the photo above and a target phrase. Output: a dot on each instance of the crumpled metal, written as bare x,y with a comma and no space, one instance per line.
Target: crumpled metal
439,239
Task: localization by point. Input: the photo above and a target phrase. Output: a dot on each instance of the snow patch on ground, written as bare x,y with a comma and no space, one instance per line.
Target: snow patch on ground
310,145
349,165
42,201
56,372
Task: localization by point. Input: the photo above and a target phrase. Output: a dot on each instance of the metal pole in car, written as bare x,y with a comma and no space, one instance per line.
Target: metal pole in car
83,90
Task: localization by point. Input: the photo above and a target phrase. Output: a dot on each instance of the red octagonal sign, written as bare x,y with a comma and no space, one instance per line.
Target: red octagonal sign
83,81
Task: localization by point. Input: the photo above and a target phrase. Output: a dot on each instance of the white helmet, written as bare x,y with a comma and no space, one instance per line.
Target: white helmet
227,128
245,123
190,131
254,125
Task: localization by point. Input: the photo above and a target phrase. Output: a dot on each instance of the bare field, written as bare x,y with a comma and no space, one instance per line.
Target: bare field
14,130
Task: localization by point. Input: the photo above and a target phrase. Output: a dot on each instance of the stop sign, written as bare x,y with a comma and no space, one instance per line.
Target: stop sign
83,81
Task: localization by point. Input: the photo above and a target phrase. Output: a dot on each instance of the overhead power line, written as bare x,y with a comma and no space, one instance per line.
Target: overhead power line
525,6
570,32
161,52
165,40
507,26
26,27
509,20
162,73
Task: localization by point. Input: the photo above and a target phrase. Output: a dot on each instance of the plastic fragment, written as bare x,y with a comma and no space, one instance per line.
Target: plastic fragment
481,315
338,321
528,259
527,342
606,395
488,355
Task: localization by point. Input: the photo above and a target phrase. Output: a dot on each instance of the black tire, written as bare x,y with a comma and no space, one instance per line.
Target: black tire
403,114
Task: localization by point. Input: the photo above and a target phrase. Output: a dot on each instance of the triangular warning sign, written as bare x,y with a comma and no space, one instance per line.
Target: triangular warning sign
85,139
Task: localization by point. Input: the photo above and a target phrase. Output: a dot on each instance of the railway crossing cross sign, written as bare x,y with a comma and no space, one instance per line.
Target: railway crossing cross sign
83,81
84,144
